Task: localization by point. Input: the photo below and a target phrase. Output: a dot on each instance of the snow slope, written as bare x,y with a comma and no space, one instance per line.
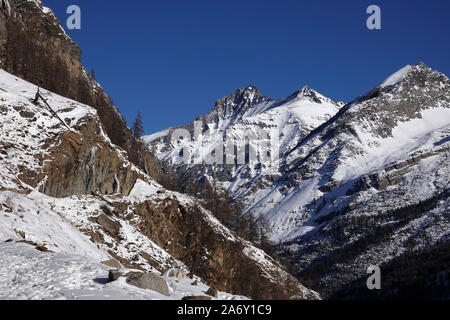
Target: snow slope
28,274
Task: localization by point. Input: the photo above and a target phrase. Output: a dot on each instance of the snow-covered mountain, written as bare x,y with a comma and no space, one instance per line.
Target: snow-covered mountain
348,175
243,114
76,201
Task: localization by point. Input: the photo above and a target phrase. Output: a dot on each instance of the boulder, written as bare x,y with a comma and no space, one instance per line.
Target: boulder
196,298
42,248
112,263
113,275
26,114
109,225
148,281
213,292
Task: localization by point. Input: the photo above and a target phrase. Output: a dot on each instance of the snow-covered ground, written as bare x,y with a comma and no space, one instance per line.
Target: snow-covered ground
29,274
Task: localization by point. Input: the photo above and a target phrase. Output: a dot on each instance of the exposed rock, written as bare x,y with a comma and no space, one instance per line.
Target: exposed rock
112,263
20,233
109,225
113,275
200,298
26,114
213,292
148,281
187,234
42,248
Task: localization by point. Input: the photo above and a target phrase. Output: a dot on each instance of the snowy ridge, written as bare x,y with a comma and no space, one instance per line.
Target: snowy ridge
320,164
396,77
348,174
292,117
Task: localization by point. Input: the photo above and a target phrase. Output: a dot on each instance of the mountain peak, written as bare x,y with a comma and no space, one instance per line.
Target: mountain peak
402,73
308,93
238,102
248,93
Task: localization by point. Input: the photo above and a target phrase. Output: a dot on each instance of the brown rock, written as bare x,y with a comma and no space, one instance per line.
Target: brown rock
148,281
213,292
112,263
20,233
42,248
109,225
113,275
196,298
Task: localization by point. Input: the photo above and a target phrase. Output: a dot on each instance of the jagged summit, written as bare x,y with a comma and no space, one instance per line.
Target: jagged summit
238,102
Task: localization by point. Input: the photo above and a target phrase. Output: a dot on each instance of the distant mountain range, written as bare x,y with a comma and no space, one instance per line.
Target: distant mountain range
359,184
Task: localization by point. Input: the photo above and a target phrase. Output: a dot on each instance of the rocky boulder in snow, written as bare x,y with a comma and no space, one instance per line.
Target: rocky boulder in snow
213,292
150,281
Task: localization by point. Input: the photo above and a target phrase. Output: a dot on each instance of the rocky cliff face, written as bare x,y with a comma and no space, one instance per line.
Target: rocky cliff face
60,162
35,47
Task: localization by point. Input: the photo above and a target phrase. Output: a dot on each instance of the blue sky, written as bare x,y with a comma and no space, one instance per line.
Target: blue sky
173,59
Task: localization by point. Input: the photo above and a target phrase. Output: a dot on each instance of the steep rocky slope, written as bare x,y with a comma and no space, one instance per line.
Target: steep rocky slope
35,47
66,188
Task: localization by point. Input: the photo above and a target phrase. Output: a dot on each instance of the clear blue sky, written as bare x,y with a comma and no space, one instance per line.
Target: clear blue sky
173,59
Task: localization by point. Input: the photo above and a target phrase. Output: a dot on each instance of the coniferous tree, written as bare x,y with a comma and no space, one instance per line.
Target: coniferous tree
252,232
93,74
138,126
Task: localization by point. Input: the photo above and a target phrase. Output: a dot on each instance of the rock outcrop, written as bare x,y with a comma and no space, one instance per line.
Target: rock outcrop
141,280
35,47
